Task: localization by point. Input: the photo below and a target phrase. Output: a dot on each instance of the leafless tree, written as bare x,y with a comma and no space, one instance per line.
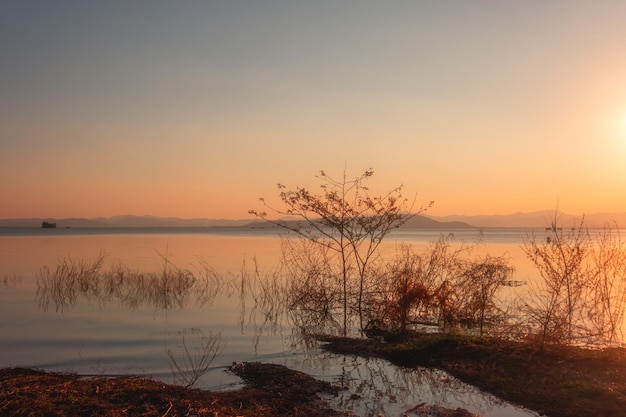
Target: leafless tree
346,220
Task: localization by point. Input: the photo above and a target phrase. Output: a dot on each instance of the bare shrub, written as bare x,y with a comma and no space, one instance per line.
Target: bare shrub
480,281
406,292
608,292
193,362
557,306
440,285
581,296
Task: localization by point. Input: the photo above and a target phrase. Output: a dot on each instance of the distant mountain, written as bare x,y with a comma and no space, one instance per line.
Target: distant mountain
423,222
416,222
153,221
537,219
124,221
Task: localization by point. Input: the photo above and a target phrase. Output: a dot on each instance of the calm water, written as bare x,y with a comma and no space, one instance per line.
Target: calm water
99,332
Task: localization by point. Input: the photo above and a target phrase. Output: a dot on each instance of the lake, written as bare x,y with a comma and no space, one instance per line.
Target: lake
98,331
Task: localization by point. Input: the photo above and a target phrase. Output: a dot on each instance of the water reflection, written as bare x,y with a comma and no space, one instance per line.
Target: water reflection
172,287
374,386
10,281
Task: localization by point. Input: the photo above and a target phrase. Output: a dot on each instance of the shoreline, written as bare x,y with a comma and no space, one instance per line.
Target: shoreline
558,381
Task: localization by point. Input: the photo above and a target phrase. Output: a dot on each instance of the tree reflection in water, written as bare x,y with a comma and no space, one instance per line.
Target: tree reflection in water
373,386
172,287
263,300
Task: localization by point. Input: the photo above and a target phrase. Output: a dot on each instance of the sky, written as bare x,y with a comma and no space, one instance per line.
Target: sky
198,108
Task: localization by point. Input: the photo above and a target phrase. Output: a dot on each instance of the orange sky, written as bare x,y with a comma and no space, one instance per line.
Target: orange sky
196,110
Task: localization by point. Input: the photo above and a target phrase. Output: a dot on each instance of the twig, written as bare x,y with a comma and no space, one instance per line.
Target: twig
168,410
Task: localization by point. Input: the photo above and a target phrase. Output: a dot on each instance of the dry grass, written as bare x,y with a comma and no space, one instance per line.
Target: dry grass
274,391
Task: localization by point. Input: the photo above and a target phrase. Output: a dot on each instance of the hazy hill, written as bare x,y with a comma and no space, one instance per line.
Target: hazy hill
153,221
537,219
423,222
123,221
417,222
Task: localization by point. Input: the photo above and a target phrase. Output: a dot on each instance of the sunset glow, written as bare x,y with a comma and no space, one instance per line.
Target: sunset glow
196,110
621,126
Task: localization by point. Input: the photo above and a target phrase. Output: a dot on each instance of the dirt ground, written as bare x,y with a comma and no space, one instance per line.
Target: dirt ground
271,390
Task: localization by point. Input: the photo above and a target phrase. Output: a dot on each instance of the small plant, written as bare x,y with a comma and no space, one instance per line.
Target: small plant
170,288
67,281
195,362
